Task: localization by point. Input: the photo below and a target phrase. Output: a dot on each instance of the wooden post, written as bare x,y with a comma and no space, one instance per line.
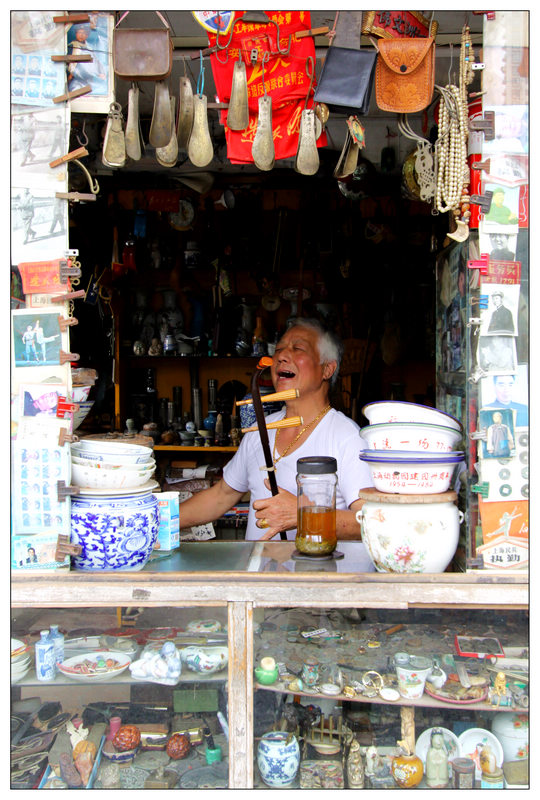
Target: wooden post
240,686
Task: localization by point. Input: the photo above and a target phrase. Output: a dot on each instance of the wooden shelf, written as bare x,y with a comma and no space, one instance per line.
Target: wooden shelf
422,702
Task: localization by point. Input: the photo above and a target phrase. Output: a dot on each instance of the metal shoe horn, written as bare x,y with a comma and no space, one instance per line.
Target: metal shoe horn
132,136
184,123
238,112
114,144
262,150
307,156
161,125
168,156
200,147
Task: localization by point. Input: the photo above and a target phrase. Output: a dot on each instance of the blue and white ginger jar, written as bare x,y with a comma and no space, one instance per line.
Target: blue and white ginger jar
115,532
277,759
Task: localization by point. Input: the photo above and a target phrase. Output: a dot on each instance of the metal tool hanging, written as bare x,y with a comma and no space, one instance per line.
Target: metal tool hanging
200,147
263,150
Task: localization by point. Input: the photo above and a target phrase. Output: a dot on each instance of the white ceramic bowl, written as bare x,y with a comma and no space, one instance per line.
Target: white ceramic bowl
110,478
417,436
103,450
399,411
409,537
80,393
68,667
402,472
106,465
80,415
140,455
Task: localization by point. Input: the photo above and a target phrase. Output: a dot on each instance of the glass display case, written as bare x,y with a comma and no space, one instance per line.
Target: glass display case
263,598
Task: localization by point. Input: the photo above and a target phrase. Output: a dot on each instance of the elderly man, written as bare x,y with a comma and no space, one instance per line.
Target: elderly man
307,358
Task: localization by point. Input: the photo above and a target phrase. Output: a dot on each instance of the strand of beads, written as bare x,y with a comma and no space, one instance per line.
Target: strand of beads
466,76
451,149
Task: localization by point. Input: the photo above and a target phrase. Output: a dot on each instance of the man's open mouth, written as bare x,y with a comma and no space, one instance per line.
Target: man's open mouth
285,373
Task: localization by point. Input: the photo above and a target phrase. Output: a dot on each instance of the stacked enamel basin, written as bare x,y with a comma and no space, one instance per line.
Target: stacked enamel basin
409,520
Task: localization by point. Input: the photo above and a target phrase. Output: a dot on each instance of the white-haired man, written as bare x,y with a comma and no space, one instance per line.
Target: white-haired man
307,358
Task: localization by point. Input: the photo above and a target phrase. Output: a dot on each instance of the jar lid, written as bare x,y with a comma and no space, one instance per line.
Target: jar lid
316,465
463,764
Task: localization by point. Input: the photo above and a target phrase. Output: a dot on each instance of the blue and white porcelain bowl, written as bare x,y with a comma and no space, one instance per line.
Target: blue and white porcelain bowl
117,532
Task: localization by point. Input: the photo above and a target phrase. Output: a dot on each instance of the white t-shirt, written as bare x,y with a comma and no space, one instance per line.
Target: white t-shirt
336,435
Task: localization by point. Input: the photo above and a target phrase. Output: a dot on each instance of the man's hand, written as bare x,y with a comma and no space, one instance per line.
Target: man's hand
276,513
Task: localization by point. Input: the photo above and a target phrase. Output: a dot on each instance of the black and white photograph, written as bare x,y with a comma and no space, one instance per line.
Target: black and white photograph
497,354
36,338
501,312
38,136
39,229
499,245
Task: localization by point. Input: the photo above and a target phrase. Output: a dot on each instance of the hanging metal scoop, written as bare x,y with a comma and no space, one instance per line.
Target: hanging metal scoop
263,144
238,113
200,147
185,114
168,156
307,156
132,137
114,144
348,160
161,125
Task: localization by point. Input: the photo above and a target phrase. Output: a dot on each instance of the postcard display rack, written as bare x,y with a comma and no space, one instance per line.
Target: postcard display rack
45,275
482,308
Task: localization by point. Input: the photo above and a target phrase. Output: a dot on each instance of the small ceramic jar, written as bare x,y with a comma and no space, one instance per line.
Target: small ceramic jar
278,758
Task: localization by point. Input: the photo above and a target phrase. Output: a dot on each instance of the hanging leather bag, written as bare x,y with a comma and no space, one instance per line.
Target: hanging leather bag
347,76
405,74
142,54
346,81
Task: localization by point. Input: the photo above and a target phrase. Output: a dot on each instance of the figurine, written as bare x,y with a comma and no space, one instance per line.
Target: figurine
76,735
155,348
437,761
374,762
488,761
499,688
355,766
163,667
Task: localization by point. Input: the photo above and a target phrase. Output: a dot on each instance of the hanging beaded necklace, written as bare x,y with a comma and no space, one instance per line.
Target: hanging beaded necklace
451,148
319,416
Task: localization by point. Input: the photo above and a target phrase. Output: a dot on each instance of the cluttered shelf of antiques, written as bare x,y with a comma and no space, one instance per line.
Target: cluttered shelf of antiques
340,721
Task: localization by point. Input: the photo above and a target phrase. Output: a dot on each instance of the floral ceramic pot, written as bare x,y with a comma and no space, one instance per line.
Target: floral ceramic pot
410,536
407,770
512,731
115,532
206,660
278,758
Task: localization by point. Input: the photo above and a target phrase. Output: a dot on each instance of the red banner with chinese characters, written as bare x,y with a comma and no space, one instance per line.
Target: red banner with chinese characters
398,24
285,78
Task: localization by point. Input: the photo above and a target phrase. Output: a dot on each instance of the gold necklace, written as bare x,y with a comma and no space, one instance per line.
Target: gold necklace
304,429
